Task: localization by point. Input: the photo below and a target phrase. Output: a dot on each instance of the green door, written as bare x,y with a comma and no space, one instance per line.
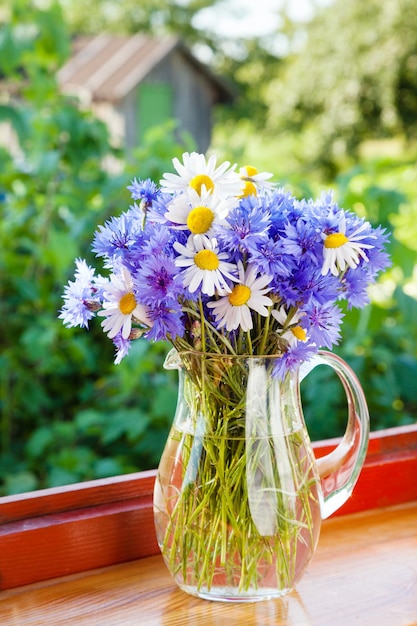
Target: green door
154,106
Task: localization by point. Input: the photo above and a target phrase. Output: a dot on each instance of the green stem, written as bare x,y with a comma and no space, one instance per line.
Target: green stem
264,335
203,325
249,342
212,537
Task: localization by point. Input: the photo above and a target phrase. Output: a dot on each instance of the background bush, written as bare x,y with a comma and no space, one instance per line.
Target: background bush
69,414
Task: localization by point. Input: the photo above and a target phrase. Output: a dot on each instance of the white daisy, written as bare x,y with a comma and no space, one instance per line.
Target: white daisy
120,306
199,214
206,266
340,250
293,332
200,175
234,309
254,180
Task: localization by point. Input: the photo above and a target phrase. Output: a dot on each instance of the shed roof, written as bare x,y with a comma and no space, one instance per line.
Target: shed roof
109,66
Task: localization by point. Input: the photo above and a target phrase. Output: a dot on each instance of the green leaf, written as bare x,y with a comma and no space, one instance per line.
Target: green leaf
58,476
39,442
20,482
107,467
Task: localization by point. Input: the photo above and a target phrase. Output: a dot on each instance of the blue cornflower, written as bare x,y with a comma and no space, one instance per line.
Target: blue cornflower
302,239
157,239
313,287
323,208
156,212
270,259
117,236
287,289
323,324
324,212
378,257
293,357
80,297
355,287
282,207
247,226
324,290
144,190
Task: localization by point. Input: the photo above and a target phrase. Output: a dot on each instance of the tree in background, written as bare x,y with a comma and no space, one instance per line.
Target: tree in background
353,79
156,17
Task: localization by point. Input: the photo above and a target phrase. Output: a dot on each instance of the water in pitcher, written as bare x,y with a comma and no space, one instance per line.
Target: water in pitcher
237,516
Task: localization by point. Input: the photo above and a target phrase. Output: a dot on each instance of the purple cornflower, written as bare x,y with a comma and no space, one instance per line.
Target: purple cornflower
156,280
167,323
122,347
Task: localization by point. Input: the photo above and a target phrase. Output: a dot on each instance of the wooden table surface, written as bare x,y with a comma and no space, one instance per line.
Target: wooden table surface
364,573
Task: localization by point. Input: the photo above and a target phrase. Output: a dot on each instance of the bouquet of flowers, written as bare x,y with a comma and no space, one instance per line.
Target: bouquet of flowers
223,261
227,266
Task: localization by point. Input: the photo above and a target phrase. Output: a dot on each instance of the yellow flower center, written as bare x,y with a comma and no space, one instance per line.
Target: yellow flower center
127,303
248,190
250,171
206,260
198,181
239,295
299,333
200,219
335,240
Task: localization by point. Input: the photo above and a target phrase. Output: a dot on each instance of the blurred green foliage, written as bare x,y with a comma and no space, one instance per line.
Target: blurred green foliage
67,413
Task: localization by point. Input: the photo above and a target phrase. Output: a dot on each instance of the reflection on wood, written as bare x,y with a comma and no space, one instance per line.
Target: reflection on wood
364,572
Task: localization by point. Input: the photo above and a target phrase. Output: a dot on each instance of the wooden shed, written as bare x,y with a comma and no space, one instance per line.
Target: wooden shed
136,82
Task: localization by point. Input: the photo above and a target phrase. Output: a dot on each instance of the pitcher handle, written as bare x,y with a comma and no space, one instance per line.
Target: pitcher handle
339,470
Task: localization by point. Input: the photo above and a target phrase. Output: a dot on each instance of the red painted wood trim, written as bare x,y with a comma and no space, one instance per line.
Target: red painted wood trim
389,474
78,496
54,532
391,440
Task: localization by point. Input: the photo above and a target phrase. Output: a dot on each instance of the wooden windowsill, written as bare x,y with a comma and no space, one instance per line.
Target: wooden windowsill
364,572
89,550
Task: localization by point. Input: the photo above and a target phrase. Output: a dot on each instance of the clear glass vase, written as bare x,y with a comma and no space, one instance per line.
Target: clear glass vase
239,495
